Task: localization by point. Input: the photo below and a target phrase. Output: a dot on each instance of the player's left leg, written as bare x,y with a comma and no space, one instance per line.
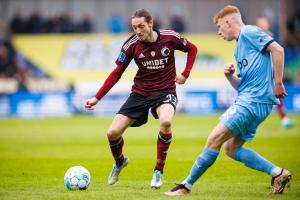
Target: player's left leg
165,114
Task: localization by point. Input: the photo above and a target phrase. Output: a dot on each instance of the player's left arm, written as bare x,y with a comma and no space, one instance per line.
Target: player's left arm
191,56
277,52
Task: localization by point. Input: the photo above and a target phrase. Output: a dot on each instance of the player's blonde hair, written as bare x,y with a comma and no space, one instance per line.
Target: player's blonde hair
227,10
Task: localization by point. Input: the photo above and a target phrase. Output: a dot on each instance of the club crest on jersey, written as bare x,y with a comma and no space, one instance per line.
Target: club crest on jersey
165,51
152,53
122,57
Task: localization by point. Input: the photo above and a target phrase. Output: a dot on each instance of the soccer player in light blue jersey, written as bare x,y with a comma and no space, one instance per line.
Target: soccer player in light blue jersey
259,84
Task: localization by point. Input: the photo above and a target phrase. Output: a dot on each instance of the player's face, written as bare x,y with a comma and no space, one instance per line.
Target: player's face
141,28
225,29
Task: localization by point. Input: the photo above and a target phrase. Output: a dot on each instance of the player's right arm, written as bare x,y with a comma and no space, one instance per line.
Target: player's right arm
233,80
111,80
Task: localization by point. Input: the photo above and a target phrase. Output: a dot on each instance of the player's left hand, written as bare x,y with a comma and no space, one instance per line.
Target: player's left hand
180,79
279,90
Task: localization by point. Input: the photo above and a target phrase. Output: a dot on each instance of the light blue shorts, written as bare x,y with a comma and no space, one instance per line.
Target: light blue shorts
243,121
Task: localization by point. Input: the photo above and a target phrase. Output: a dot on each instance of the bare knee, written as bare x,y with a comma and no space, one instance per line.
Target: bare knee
113,134
212,143
231,146
229,149
165,124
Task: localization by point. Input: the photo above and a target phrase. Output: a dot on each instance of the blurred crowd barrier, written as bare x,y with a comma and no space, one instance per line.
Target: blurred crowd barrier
205,97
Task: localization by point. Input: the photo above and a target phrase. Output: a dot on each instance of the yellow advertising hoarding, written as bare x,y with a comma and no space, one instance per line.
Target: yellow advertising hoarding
91,57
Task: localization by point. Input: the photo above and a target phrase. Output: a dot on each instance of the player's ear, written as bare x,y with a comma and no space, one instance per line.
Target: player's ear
151,22
227,23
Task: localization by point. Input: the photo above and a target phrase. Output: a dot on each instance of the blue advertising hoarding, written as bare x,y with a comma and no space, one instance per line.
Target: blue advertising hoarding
65,104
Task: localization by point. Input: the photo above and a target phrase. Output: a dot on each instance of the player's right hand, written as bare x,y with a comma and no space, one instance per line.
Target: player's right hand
89,104
229,69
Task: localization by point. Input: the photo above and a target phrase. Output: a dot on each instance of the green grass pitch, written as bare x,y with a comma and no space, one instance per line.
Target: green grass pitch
35,154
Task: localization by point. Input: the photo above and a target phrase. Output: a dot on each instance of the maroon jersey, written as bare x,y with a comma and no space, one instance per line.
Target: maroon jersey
155,61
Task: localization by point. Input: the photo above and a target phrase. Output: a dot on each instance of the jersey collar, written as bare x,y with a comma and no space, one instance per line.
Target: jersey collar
157,39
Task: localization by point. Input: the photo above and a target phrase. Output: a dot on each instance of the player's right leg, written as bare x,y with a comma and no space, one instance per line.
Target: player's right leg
208,156
114,135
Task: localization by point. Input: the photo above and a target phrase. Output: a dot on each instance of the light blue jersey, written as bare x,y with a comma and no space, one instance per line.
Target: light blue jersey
254,67
256,90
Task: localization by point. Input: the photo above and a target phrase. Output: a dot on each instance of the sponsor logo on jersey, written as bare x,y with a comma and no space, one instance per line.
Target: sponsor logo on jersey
165,51
141,55
122,57
152,53
155,64
243,63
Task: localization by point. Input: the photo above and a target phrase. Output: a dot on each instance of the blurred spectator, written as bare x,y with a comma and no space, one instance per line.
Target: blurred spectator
10,65
18,73
63,23
17,23
85,24
34,23
115,23
178,22
293,27
52,25
67,24
264,24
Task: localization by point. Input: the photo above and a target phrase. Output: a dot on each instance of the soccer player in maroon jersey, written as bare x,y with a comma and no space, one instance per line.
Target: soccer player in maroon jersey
154,88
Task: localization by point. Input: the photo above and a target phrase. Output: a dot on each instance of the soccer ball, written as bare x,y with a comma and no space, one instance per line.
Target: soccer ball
77,178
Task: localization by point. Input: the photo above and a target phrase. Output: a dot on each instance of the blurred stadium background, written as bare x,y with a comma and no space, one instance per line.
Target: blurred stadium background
54,54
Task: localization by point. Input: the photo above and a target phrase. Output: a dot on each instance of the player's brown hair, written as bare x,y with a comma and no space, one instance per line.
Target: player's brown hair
142,13
226,11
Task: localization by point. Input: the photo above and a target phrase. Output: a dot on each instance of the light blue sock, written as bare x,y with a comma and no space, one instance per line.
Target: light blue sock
253,160
203,162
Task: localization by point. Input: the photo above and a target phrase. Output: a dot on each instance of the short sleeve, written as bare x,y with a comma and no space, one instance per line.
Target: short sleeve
182,43
258,38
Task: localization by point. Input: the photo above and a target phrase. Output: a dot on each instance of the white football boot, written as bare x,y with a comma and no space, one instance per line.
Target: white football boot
115,172
156,181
